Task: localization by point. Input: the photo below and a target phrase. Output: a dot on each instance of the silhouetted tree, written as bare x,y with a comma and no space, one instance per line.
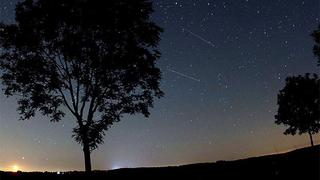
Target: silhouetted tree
316,48
299,103
93,58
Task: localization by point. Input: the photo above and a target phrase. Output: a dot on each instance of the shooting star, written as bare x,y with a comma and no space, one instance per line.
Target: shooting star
184,75
199,37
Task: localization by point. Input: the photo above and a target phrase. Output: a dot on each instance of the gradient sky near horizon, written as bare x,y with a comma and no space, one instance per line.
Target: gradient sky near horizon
223,63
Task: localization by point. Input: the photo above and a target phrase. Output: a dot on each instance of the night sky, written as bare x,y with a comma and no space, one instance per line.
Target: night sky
223,63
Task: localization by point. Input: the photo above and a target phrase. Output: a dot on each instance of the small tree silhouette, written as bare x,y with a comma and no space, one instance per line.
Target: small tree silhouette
316,48
96,58
299,105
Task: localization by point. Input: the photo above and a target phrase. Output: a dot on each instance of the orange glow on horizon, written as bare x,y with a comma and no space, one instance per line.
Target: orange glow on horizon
15,168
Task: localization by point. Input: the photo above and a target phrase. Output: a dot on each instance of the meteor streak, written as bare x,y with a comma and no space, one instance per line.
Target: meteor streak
200,37
184,75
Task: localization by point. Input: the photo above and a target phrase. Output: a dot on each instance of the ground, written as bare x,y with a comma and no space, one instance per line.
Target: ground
302,164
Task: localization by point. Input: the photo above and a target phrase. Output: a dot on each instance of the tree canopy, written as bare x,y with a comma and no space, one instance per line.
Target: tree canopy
316,48
299,103
96,59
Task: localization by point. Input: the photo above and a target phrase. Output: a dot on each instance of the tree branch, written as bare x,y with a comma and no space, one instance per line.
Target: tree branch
66,102
71,86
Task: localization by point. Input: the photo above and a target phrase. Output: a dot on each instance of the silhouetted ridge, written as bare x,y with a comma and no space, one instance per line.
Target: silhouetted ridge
298,164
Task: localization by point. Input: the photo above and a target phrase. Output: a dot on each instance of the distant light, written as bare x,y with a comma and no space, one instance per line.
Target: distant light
116,167
15,168
58,172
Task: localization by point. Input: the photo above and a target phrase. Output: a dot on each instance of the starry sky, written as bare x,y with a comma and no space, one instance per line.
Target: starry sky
223,63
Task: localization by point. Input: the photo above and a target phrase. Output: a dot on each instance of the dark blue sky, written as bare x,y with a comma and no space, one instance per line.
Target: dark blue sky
223,63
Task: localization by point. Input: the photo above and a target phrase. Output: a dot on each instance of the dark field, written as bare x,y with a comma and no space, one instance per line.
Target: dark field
300,164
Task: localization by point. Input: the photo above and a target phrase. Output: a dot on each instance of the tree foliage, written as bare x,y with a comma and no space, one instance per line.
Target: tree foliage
96,59
299,105
316,48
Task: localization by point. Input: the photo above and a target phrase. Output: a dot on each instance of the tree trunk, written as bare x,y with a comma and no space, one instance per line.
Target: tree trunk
311,138
87,158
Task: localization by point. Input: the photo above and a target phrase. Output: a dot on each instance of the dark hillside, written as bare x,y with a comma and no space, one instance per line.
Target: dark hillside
300,164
